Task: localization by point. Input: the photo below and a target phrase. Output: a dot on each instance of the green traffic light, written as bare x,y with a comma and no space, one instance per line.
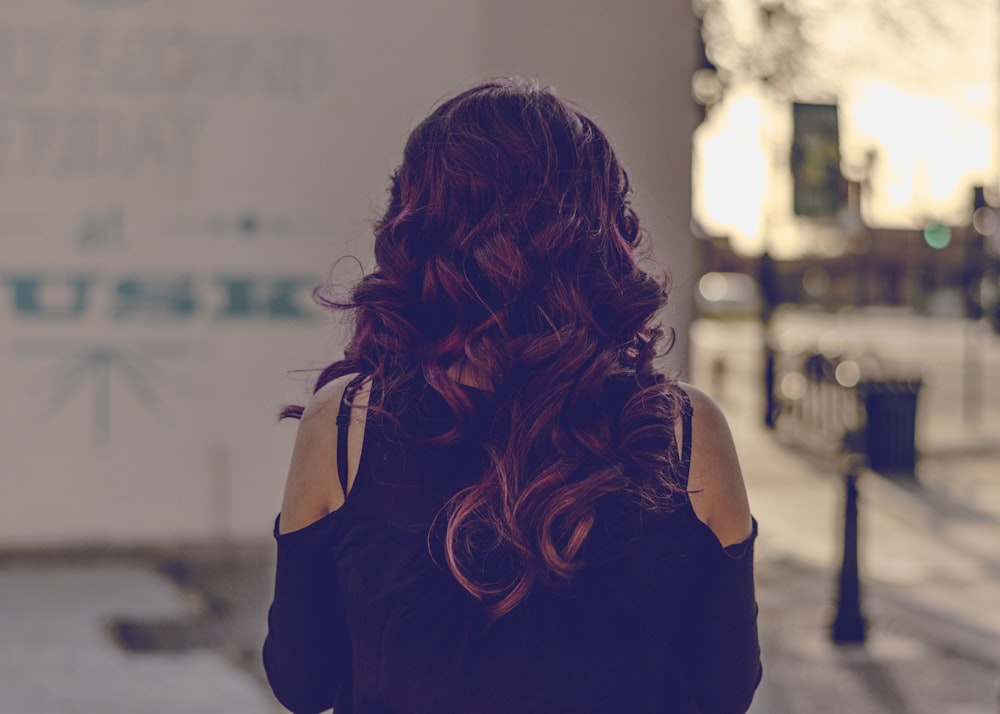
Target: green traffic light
937,235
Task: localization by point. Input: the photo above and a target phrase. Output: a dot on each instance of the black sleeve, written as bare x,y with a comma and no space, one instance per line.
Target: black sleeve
722,656
307,651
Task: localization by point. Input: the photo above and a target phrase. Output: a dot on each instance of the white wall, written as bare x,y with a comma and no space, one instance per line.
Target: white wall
174,177
631,68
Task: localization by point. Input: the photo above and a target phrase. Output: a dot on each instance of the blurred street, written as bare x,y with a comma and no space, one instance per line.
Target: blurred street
178,630
930,565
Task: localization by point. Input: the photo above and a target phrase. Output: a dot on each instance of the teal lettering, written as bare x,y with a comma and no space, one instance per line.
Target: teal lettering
49,297
160,298
100,230
154,298
265,298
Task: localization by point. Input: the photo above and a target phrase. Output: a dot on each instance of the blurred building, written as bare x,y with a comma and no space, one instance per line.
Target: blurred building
946,271
175,178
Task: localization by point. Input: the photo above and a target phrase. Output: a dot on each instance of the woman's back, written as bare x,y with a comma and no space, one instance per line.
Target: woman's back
638,630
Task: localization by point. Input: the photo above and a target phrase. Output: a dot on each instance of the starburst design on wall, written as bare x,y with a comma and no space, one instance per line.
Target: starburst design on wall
89,370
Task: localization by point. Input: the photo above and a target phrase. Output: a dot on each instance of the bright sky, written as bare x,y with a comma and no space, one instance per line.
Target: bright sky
933,141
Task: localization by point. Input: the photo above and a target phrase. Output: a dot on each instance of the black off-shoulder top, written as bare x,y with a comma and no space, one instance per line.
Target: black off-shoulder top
662,619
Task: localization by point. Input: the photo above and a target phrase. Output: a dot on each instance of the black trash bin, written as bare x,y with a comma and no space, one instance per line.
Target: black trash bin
890,432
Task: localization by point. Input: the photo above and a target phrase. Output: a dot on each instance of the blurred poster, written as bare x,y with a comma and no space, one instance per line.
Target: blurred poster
819,189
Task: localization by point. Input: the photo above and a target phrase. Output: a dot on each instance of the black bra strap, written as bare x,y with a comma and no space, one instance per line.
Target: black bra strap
343,421
687,411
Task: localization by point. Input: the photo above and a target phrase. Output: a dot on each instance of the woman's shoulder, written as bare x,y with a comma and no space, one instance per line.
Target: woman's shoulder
325,401
313,487
715,482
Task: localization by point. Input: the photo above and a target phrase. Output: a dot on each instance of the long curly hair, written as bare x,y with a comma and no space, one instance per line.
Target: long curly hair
509,244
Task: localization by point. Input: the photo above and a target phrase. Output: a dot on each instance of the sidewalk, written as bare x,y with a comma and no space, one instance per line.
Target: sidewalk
71,627
930,568
932,606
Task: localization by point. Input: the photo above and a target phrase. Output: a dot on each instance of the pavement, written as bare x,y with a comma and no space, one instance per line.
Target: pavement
929,545
171,630
177,628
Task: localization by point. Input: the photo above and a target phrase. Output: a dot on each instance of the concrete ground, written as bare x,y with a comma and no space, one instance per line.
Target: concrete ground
929,546
60,652
178,629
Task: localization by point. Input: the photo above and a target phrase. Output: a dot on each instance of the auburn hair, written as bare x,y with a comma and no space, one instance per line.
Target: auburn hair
509,244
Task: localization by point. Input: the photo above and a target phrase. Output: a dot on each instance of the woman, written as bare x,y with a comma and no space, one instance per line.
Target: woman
495,502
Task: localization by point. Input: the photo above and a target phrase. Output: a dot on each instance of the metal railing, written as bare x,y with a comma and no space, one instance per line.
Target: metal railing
826,405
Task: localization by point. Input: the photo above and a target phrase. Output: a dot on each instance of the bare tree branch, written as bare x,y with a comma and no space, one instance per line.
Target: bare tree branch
811,49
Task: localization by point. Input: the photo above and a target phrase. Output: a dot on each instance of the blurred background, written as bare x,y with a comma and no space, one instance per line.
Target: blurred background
820,179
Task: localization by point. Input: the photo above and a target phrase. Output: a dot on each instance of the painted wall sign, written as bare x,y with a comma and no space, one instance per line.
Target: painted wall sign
176,177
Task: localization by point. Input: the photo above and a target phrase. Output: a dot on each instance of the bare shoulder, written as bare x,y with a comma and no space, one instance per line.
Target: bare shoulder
718,493
313,489
324,404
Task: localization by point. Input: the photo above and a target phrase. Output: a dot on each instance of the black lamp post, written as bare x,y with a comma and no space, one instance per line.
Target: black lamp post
849,624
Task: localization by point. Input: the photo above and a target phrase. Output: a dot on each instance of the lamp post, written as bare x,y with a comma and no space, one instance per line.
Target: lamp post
849,624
